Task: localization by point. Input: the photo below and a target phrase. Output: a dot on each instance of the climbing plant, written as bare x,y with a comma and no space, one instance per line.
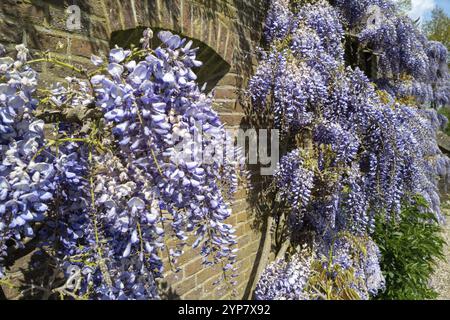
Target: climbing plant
359,137
91,169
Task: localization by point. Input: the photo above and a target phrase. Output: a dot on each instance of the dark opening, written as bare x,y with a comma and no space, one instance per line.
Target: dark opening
362,57
213,69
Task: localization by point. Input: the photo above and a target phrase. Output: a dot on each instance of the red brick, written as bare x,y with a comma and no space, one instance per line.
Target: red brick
184,286
186,23
128,14
142,12
244,240
232,119
194,294
193,267
113,14
45,40
225,92
208,273
239,206
222,39
84,47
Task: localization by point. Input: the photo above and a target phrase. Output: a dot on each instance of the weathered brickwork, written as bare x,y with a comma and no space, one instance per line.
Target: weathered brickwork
232,28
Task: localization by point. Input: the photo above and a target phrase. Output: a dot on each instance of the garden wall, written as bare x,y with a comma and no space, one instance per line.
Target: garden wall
229,28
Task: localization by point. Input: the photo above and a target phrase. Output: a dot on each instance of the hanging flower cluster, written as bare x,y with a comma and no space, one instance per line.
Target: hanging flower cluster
408,64
26,169
120,171
283,280
358,151
305,275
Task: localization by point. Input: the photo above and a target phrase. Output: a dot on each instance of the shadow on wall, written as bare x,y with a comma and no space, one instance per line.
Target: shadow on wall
31,274
213,69
167,292
261,198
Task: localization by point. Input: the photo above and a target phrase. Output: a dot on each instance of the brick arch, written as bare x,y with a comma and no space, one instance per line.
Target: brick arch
189,18
213,69
232,28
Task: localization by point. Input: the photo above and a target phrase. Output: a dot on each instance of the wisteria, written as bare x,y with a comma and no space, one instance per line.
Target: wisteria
295,182
116,171
291,284
408,64
359,148
121,172
300,277
157,106
26,169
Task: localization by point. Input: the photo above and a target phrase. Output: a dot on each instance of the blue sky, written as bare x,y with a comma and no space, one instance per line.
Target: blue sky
422,8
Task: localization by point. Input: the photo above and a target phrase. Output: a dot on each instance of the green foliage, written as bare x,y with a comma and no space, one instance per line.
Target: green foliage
410,249
438,28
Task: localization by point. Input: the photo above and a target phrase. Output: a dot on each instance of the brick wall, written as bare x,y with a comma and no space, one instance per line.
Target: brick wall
232,28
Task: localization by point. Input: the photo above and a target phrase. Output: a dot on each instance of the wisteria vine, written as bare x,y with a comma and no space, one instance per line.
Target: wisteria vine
102,188
359,147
